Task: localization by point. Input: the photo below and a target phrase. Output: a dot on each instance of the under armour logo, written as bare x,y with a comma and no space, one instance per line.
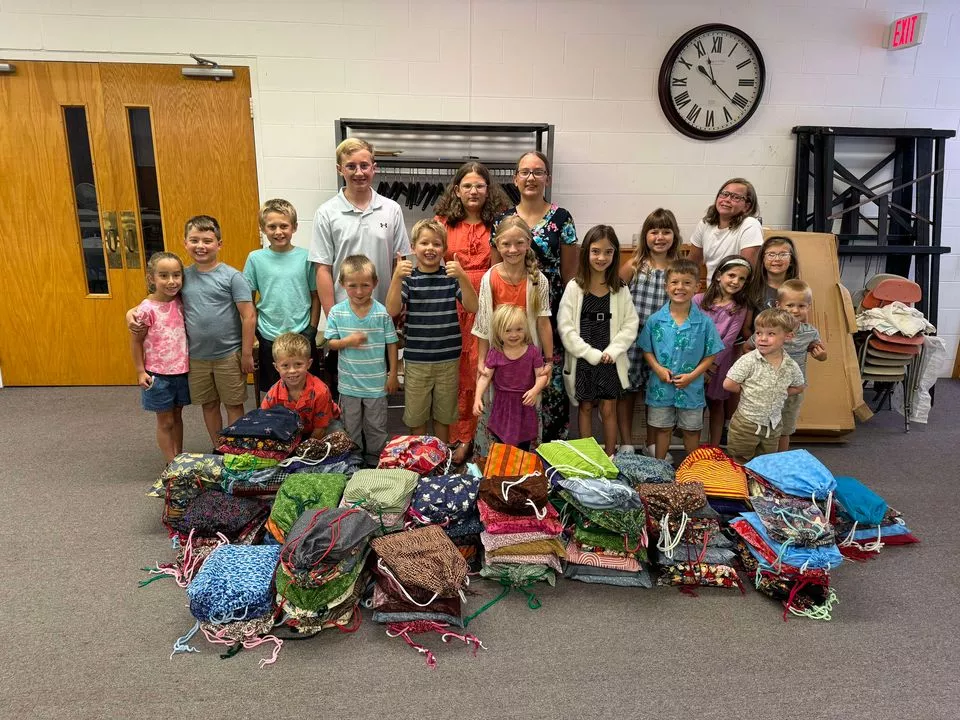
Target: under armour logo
384,225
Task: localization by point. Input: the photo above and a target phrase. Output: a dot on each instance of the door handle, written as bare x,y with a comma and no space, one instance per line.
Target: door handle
111,239
131,247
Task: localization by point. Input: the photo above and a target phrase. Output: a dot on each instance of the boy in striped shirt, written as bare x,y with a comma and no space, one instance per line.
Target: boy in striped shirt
360,329
434,343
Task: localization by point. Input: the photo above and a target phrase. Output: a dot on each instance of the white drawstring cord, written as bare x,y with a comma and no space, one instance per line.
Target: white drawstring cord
386,570
669,542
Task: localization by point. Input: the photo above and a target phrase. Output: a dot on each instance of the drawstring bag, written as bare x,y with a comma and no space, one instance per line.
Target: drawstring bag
630,524
324,603
500,523
826,557
859,503
509,461
794,521
332,445
580,458
526,495
381,490
636,469
422,558
418,627
795,472
185,477
446,499
234,584
720,475
324,542
672,499
301,492
277,423
601,494
423,454
215,512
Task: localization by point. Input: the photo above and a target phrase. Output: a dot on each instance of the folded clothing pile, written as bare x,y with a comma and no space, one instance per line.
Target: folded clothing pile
322,571
385,494
450,501
607,536
791,550
691,550
271,434
864,522
420,583
232,600
301,492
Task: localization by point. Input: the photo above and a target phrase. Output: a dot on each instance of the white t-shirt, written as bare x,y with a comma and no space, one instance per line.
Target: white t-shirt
717,243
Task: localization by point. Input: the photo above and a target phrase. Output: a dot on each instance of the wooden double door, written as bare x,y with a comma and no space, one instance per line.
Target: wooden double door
101,164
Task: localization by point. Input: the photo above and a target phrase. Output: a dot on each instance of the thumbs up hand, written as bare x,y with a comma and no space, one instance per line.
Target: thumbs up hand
455,269
404,267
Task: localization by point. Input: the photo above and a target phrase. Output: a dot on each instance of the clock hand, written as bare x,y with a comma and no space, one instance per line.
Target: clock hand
713,82
710,67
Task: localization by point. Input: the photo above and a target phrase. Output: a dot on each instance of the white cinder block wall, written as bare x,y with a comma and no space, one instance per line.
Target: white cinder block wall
589,67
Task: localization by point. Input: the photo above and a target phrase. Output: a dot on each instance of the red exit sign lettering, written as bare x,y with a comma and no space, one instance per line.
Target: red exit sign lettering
905,32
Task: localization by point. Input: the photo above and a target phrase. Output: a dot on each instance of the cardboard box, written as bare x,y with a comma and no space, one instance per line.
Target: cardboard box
834,397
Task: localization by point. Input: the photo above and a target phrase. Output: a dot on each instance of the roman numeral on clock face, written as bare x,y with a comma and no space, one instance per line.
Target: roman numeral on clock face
682,100
694,113
727,117
678,82
747,82
683,62
742,65
740,101
701,51
717,44
709,119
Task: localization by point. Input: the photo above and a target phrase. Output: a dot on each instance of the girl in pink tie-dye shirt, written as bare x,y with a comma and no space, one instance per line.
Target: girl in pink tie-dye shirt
161,356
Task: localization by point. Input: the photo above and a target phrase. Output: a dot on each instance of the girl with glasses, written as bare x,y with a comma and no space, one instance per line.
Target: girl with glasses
778,263
730,226
467,209
555,247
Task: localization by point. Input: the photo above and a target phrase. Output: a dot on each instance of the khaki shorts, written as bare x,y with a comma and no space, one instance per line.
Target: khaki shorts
430,390
217,380
744,441
791,409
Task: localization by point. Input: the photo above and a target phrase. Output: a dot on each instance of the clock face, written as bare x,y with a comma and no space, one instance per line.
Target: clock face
711,81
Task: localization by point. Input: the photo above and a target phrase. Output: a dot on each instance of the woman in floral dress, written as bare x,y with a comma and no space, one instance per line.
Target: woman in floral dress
555,243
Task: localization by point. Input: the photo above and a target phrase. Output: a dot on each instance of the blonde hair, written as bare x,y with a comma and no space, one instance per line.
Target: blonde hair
797,286
430,225
151,268
515,222
776,318
355,264
203,223
291,345
503,317
352,145
279,206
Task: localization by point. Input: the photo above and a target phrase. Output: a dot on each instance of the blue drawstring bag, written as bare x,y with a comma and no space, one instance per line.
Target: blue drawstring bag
858,502
234,583
795,472
825,557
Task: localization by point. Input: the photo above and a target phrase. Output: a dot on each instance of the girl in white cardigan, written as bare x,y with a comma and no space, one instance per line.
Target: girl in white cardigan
598,323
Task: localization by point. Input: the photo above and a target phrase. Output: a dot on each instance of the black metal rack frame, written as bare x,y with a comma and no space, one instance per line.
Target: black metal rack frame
540,139
910,213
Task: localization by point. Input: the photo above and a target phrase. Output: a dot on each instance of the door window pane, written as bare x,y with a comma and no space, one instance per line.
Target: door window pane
148,191
85,197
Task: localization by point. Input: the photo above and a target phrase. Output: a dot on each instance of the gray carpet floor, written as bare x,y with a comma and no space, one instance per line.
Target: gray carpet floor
81,640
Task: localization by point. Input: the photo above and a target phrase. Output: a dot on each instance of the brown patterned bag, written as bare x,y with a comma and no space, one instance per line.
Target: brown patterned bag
672,499
424,558
525,495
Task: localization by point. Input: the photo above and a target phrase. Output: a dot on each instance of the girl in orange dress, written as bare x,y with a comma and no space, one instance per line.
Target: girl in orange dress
467,209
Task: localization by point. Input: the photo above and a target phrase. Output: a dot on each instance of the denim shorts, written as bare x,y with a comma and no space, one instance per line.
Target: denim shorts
166,393
668,417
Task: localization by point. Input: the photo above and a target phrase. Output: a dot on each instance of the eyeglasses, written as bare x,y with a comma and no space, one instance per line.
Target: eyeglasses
778,255
527,172
353,167
479,187
732,196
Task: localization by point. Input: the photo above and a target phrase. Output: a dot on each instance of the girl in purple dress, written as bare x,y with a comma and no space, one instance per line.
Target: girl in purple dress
511,363
726,302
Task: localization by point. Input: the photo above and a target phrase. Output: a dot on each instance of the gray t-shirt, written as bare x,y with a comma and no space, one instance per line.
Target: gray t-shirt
210,310
797,348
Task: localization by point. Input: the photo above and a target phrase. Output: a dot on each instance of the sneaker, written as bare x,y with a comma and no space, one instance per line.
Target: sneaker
652,452
626,449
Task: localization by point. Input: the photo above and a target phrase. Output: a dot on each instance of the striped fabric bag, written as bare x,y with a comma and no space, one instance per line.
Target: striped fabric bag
720,475
508,461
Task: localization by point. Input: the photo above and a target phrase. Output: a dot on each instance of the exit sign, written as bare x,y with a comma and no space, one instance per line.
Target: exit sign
905,32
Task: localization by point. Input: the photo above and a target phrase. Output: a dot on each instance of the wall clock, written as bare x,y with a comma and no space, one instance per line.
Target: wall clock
711,81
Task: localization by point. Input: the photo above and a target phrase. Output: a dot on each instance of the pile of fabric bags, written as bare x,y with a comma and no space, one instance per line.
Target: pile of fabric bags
272,434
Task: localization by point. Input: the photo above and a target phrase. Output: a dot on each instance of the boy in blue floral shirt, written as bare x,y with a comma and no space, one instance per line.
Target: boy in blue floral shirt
679,343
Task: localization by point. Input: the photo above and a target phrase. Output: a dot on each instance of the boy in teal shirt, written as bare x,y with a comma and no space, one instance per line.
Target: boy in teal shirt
284,278
679,342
